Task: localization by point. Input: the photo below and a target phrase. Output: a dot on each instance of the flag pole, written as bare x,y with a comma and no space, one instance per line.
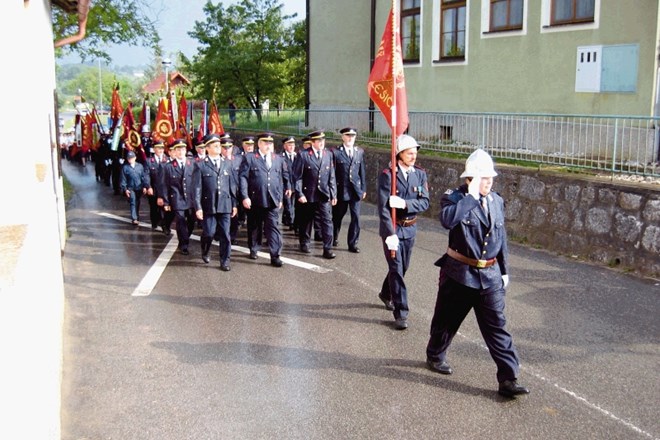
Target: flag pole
394,121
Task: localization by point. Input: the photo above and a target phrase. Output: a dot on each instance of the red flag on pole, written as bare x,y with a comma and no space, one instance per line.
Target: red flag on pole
215,125
163,128
387,86
116,109
387,89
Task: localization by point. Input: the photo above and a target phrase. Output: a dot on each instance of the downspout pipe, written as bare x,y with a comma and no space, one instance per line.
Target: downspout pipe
372,56
83,10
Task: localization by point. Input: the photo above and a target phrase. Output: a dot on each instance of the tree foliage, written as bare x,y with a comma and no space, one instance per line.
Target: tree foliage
108,22
246,52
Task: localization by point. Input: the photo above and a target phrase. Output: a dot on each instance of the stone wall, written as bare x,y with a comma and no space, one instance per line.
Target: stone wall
589,218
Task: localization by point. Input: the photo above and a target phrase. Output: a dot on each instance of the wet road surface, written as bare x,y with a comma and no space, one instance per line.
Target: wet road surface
159,345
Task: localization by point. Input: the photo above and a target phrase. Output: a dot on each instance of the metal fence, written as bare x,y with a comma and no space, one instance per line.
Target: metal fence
616,144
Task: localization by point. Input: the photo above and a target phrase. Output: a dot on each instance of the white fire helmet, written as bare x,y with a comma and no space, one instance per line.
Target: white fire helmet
479,164
405,142
146,129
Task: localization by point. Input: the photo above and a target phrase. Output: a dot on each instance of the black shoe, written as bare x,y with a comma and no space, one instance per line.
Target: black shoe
206,259
400,323
335,243
167,231
234,242
305,249
441,367
355,250
253,255
225,267
184,251
511,389
329,255
276,262
388,302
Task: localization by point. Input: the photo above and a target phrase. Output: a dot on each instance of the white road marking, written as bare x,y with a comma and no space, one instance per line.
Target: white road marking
570,393
152,276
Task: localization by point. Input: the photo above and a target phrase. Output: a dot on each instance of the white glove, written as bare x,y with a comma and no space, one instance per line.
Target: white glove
473,187
392,242
397,202
505,280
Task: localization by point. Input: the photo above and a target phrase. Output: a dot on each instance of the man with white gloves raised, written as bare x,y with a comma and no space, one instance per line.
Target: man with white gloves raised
411,198
474,273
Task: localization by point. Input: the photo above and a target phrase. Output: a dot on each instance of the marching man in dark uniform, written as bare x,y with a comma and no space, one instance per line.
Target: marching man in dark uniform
289,154
264,183
411,199
155,164
316,192
134,182
177,192
215,199
236,156
474,273
351,175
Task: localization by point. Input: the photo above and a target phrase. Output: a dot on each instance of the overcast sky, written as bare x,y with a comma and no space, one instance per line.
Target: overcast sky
176,20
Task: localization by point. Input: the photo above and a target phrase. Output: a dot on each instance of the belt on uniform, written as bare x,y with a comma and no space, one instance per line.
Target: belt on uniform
479,264
407,222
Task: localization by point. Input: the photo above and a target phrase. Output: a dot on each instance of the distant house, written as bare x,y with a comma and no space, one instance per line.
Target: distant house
158,83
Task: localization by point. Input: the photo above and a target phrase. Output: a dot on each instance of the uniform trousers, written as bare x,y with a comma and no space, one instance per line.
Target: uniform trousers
264,220
217,226
453,303
134,203
394,287
155,212
185,223
338,213
312,212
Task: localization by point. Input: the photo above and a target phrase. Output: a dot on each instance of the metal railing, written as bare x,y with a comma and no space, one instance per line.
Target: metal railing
616,144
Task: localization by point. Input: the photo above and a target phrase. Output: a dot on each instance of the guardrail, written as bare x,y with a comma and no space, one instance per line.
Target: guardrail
616,144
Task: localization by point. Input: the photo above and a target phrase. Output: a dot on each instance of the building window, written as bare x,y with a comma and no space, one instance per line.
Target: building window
506,15
410,24
572,11
452,30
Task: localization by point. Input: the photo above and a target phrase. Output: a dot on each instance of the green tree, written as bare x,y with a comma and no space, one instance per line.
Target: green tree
244,51
108,22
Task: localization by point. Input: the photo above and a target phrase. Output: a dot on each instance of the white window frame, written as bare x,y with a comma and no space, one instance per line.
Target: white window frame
435,43
485,23
546,27
421,35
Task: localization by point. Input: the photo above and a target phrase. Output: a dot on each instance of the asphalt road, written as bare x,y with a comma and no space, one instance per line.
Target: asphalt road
162,346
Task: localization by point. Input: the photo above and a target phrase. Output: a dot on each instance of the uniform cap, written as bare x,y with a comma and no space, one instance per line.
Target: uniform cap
226,141
209,138
265,137
248,140
159,144
316,135
130,155
306,140
178,143
479,164
288,139
348,130
405,142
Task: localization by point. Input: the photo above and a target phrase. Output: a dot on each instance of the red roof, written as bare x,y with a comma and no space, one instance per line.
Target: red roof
158,83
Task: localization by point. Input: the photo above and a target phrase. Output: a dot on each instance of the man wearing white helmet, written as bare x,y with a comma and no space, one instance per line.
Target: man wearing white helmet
411,199
474,273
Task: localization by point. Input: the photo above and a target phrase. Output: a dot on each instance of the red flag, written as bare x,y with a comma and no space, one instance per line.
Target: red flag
86,128
116,109
163,128
183,120
215,125
131,136
387,75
